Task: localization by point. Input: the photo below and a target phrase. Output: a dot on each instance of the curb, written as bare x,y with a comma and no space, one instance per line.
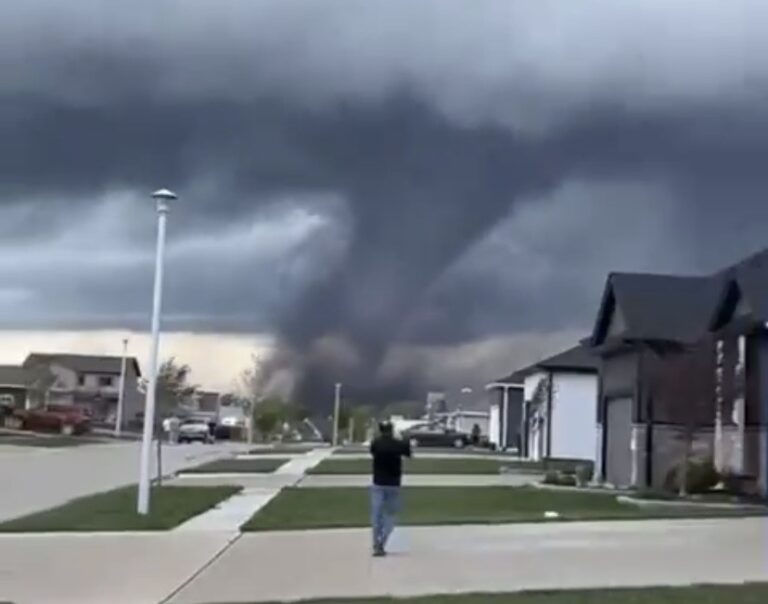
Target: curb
688,504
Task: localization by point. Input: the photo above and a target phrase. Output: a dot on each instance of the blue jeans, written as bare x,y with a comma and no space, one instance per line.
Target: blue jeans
385,504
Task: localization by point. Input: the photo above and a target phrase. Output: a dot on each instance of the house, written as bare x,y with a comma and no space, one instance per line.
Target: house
13,386
645,320
463,420
560,394
88,381
505,413
683,365
206,401
739,328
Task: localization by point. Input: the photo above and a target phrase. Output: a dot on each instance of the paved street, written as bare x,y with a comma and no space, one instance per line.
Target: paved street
277,566
43,478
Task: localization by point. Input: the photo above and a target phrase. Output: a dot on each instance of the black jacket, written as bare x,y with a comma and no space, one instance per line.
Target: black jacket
388,453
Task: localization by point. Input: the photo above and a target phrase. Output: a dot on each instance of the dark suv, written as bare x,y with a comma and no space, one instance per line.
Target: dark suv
436,436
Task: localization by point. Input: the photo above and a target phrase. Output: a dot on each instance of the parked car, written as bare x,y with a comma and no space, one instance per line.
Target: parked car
195,430
64,419
436,436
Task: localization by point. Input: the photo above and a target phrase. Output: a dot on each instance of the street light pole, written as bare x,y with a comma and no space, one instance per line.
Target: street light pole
162,197
121,394
336,410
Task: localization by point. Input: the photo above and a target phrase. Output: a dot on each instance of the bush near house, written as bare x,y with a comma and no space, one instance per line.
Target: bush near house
700,477
561,479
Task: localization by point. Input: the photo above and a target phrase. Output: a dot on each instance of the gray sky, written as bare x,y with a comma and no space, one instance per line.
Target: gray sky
366,179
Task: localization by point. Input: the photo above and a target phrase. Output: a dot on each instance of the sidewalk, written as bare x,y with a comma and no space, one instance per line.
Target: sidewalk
101,568
287,566
229,515
423,480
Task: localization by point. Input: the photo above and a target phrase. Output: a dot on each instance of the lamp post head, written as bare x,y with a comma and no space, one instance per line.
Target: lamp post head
163,197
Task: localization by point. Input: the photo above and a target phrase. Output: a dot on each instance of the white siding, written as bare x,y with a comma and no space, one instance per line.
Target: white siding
574,408
494,426
530,383
536,432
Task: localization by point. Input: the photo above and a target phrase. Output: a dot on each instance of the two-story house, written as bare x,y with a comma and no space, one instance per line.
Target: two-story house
89,381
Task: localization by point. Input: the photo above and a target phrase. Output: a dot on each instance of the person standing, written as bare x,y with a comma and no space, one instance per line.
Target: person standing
387,452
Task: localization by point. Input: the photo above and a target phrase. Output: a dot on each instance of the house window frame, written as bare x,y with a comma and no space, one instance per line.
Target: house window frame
106,381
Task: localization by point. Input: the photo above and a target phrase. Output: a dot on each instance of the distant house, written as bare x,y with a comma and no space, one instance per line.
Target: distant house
506,412
463,420
548,409
88,381
559,417
207,401
13,386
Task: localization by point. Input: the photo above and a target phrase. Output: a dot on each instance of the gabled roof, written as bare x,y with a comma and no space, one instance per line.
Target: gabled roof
747,280
13,375
516,378
657,307
82,363
578,359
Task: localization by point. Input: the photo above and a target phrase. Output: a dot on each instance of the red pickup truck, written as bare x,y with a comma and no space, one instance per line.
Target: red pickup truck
63,419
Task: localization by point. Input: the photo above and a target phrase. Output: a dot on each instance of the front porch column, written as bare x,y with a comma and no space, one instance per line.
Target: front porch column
740,408
599,472
719,456
637,447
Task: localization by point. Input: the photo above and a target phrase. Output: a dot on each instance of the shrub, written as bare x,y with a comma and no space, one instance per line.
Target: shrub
701,477
559,479
583,474
566,465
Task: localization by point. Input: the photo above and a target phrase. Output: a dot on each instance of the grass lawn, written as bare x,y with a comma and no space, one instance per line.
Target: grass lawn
731,594
116,511
285,449
238,466
417,465
477,463
358,449
300,508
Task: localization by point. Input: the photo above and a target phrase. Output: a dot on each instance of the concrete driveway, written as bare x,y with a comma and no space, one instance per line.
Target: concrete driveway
100,568
286,566
209,567
36,479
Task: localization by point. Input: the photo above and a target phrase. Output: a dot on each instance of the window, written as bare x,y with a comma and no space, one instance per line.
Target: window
81,380
8,400
106,380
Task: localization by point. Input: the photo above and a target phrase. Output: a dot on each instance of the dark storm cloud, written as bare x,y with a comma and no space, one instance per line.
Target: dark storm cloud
359,174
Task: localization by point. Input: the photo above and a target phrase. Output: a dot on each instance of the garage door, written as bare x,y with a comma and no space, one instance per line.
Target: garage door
618,453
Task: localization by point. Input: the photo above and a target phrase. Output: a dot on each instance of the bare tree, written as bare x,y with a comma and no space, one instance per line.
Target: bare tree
40,380
173,385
